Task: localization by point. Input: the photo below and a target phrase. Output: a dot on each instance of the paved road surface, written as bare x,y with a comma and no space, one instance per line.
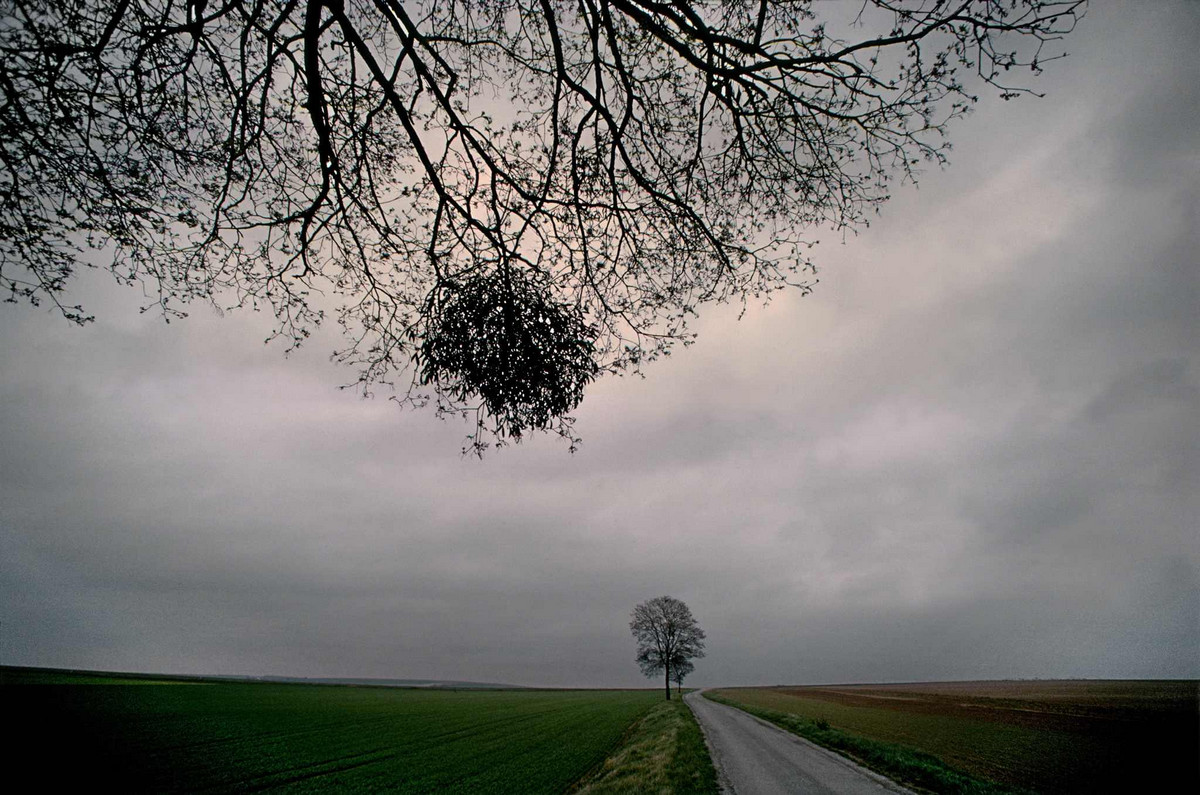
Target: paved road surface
755,758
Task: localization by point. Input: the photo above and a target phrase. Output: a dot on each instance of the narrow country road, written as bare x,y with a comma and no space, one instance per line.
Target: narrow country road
753,757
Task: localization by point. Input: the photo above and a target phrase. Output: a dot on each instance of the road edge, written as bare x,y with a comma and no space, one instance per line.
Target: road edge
722,779
879,778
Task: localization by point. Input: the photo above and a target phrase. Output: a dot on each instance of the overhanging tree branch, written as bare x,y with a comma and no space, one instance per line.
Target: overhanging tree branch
499,202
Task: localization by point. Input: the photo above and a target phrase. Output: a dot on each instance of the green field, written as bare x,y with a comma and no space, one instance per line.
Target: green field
1041,736
217,736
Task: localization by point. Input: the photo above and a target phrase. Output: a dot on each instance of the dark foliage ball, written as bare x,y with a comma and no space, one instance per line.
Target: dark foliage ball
503,338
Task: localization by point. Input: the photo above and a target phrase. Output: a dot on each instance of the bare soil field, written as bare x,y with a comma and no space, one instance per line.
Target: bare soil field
1045,736
1072,705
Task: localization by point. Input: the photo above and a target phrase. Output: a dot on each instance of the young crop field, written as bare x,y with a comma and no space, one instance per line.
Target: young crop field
1044,736
223,737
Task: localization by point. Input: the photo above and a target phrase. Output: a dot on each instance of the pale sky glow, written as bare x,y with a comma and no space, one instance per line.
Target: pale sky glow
972,452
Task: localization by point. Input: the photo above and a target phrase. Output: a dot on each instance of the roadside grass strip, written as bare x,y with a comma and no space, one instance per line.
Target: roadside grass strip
915,769
663,753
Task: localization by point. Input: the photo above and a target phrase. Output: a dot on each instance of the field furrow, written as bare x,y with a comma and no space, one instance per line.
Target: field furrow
234,737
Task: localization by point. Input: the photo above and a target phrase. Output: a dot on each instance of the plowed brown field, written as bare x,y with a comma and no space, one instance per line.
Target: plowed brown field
1046,736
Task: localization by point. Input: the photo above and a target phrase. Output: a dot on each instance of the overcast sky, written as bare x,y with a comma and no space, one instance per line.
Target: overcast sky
972,452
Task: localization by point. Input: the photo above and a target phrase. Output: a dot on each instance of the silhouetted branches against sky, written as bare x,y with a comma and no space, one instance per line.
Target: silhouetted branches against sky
498,202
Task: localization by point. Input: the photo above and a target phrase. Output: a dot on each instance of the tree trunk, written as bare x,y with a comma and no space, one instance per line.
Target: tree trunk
668,681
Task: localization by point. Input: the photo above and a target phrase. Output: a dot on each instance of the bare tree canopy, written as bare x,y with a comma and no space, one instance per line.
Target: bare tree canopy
498,202
668,638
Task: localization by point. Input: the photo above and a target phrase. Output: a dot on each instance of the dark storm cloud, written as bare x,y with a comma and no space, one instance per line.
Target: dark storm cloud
972,452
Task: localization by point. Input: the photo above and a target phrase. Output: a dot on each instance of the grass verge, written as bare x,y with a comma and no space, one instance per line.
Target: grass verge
915,769
662,753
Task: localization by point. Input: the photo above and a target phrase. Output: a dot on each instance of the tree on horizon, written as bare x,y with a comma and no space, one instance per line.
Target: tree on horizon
680,670
668,638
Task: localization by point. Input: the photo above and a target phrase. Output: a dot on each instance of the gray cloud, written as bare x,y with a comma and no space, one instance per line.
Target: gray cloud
970,453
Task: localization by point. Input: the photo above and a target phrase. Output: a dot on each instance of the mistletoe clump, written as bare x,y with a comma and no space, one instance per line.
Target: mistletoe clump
504,338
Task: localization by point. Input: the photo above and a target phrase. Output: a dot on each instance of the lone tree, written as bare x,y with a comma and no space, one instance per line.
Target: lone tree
497,202
679,671
668,638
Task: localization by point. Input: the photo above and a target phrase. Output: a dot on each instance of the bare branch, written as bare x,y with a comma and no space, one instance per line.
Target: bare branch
497,202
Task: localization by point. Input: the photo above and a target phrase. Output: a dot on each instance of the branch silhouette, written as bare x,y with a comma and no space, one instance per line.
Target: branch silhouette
499,202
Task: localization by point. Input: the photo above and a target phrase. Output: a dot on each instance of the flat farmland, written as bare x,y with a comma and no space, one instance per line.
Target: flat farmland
1044,736
239,737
